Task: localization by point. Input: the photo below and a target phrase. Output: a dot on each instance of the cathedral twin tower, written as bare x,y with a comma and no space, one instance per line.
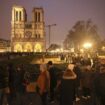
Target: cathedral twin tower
27,36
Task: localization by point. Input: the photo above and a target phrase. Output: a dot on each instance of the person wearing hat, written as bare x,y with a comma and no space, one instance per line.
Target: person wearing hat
67,86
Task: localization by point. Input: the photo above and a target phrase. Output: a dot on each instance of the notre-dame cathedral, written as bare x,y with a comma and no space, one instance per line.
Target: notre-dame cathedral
27,36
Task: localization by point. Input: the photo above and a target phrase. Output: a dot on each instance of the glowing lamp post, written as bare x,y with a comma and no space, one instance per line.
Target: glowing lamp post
49,27
87,45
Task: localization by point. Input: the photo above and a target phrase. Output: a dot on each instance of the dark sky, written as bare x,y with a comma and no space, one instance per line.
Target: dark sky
64,13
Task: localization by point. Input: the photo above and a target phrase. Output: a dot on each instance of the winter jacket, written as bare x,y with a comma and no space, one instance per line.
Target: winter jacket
43,82
87,79
100,85
67,88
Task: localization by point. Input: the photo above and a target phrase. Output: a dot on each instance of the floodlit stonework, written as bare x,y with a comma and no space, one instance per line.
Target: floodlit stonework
27,36
4,45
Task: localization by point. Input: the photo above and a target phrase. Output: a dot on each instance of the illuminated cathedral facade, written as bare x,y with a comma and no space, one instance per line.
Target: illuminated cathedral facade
27,36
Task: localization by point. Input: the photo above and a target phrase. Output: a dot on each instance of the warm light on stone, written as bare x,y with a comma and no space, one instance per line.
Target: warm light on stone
27,36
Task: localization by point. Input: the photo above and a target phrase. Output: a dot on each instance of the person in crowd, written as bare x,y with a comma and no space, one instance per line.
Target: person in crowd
43,83
100,85
62,57
86,82
67,87
11,96
57,89
31,96
3,84
19,85
96,72
53,79
77,71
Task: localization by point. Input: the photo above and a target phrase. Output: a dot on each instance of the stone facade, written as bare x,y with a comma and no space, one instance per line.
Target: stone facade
27,36
4,45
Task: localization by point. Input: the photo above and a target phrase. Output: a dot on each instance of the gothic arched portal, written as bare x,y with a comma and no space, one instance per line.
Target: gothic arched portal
18,48
38,48
28,48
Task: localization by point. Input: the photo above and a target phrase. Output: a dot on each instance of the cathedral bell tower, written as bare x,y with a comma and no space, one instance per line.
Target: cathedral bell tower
19,18
39,25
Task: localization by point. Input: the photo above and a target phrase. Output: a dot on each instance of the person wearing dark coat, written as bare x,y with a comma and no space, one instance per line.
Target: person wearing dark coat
77,71
67,86
11,74
3,84
19,85
100,85
53,79
86,82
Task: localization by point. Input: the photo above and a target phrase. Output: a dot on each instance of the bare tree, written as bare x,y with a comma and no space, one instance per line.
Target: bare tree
81,32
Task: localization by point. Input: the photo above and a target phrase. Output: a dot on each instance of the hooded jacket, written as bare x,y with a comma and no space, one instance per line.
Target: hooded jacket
43,81
67,92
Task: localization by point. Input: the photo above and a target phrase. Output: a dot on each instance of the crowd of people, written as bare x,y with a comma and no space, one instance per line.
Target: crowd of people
80,79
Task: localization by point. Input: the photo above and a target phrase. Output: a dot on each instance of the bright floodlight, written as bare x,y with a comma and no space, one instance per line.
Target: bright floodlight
87,45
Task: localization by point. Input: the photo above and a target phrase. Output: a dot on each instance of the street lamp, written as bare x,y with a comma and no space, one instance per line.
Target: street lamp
49,27
87,45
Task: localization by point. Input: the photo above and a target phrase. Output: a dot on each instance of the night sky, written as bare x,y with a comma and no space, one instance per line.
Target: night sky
64,13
